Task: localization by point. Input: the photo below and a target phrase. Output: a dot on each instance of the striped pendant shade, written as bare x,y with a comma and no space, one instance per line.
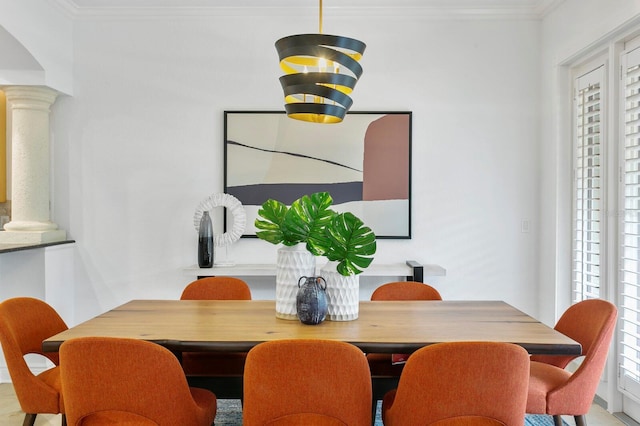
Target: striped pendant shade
321,71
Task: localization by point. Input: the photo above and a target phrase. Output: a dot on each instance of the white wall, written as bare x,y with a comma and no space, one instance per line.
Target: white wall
46,33
140,144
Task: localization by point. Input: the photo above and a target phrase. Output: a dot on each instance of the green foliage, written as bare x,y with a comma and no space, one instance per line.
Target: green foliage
340,237
308,218
349,242
303,222
272,227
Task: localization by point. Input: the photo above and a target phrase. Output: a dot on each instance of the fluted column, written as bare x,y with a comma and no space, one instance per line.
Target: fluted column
30,215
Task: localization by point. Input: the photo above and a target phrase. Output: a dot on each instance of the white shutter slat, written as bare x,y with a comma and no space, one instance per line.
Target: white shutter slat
587,185
629,257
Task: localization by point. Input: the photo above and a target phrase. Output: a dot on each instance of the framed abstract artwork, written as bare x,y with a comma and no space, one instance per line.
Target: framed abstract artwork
363,162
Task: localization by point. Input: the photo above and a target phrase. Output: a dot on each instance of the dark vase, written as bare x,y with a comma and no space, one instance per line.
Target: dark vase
311,300
205,242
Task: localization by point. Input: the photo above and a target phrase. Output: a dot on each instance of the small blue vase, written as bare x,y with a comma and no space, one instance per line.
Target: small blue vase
311,300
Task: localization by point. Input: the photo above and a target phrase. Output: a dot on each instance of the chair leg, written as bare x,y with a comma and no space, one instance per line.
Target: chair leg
580,420
29,419
557,420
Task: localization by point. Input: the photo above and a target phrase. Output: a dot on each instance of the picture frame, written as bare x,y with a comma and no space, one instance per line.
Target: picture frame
364,162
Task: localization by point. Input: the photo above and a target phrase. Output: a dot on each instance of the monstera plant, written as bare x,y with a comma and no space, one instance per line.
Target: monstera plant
349,242
341,237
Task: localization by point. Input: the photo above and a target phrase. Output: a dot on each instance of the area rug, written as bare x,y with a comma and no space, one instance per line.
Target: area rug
540,420
230,414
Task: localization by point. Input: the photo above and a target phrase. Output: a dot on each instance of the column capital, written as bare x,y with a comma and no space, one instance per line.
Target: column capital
30,97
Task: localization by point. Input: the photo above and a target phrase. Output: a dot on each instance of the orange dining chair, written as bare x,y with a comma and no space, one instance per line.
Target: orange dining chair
211,363
109,380
217,288
306,382
405,290
555,391
461,384
388,367
24,323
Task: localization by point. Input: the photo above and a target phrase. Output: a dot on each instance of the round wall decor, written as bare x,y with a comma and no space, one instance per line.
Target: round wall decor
237,213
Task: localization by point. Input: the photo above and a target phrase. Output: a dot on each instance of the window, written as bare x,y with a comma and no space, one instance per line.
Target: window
587,187
606,166
629,245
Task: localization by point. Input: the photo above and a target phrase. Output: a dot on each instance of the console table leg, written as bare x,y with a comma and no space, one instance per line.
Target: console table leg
418,271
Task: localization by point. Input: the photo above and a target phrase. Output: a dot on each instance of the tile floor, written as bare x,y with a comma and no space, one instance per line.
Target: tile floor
598,416
11,415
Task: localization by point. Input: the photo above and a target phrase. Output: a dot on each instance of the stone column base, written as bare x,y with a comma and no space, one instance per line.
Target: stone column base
32,237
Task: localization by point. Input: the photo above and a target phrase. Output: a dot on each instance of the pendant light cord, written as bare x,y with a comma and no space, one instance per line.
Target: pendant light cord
320,20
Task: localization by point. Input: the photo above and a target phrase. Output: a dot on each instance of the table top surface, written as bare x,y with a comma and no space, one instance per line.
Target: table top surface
382,326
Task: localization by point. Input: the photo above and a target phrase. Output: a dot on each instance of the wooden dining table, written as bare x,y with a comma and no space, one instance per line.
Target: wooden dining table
382,327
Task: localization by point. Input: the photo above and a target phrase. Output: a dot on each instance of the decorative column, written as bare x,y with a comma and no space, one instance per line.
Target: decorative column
30,217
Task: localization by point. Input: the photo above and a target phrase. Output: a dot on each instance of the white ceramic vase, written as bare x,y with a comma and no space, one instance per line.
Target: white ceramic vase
292,263
343,294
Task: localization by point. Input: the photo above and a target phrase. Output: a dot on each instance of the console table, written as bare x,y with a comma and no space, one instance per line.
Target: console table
412,270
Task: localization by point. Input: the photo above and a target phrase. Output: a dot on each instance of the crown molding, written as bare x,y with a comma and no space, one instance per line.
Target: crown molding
435,9
544,7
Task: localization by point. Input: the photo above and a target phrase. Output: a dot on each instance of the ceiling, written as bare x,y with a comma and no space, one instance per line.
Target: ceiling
302,3
531,8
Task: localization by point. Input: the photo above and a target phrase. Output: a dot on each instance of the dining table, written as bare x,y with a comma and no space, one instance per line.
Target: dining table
381,327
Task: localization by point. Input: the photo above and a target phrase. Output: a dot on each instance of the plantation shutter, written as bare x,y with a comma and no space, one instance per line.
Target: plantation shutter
587,198
629,256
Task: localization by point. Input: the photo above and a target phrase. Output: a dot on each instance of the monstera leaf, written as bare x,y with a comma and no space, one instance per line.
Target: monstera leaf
273,215
301,223
349,242
307,219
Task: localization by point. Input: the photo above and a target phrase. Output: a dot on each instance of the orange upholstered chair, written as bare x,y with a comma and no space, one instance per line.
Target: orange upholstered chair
461,384
109,380
556,391
209,363
217,288
24,323
306,382
405,290
382,365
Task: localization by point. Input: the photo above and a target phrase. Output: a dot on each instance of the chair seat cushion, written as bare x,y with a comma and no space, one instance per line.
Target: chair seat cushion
543,378
469,421
51,378
114,417
307,419
206,400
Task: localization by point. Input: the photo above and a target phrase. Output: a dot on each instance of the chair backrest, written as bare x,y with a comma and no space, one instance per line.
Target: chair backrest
479,383
304,381
24,323
591,323
405,290
127,380
587,322
217,288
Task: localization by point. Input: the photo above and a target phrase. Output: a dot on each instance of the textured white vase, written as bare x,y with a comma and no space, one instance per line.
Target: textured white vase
292,263
343,294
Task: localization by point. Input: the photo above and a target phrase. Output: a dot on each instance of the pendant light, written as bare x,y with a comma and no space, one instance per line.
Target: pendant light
321,71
